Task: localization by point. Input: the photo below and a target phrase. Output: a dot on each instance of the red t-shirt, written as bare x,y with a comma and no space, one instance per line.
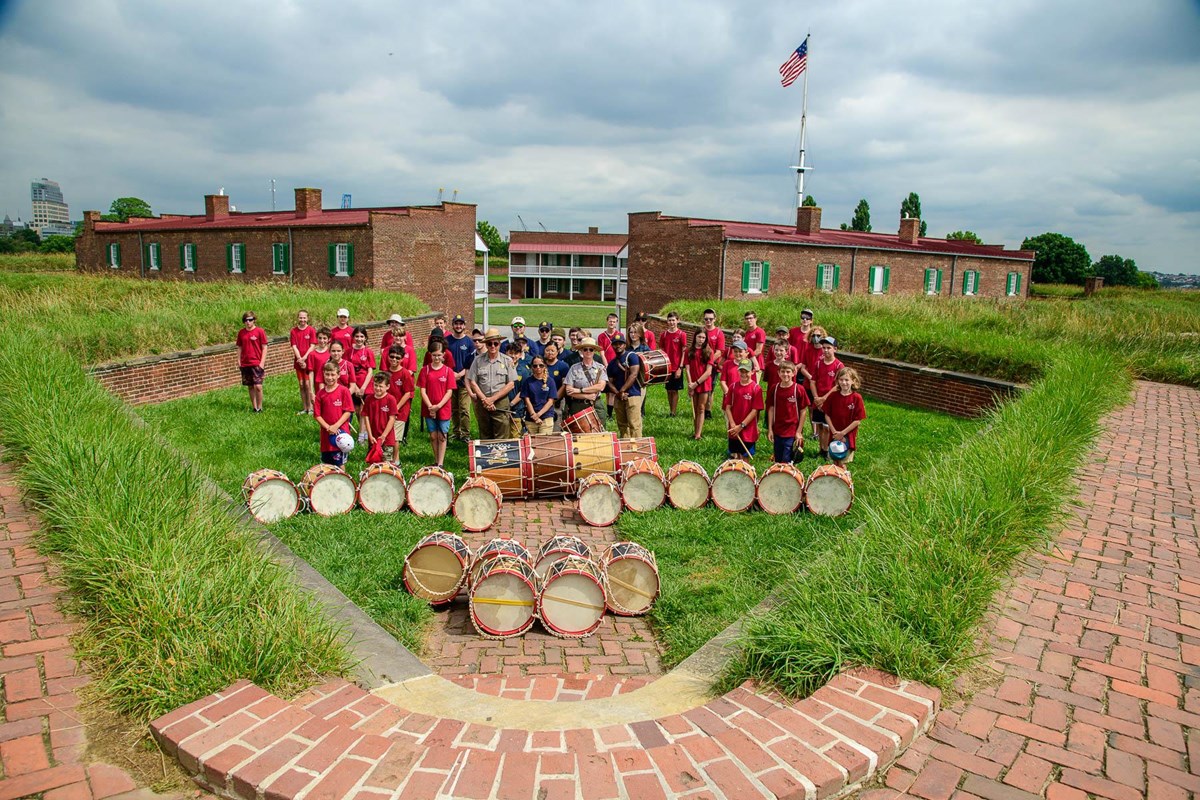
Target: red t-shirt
696,364
410,353
798,339
787,405
447,359
716,340
755,337
329,406
402,384
316,363
378,411
842,409
811,357
437,384
363,359
604,341
302,339
741,400
250,346
826,375
771,375
729,369
649,338
674,345
345,373
344,335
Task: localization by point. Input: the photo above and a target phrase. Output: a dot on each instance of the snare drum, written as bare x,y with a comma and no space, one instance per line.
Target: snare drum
498,547
505,461
656,367
503,598
631,578
688,485
552,458
599,501
437,567
733,486
431,492
634,449
329,490
559,547
381,488
270,495
586,421
596,453
830,491
571,603
478,503
781,489
643,485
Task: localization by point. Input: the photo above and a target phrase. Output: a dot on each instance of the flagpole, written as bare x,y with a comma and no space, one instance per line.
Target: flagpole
801,167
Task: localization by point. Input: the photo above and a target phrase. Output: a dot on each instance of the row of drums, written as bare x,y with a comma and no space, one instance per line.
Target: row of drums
508,589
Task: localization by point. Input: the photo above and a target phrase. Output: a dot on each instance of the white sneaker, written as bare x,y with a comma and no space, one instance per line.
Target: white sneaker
362,436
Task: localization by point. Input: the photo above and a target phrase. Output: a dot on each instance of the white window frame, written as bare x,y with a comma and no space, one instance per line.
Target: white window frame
549,259
931,276
754,277
275,250
551,286
114,255
576,260
1012,285
341,267
826,278
154,252
189,257
875,274
577,285
236,265
973,282
609,287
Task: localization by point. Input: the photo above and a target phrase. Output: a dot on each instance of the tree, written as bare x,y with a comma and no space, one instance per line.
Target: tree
1146,281
57,244
1116,271
964,236
911,207
1060,259
808,200
862,218
492,238
125,207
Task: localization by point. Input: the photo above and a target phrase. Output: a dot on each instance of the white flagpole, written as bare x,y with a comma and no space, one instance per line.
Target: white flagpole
801,167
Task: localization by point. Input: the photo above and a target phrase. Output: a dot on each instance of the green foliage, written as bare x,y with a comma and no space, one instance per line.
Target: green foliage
862,217
125,207
22,240
1060,259
1145,280
57,244
36,262
496,244
911,207
1116,271
964,236
808,200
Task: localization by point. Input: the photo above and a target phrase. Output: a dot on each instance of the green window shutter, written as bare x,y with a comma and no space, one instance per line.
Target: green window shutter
350,260
1017,283
766,275
837,275
887,278
871,280
332,260
966,275
937,286
183,256
745,276
146,256
820,276
229,258
242,256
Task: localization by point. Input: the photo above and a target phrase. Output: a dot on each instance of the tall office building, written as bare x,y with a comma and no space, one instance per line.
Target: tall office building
50,213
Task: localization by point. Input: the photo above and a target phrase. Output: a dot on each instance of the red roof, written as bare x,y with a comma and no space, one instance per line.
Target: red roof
605,244
251,219
767,232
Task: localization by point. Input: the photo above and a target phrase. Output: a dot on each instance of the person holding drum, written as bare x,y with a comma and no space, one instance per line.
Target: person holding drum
674,344
742,404
623,373
586,380
490,379
700,367
252,352
332,407
538,394
303,338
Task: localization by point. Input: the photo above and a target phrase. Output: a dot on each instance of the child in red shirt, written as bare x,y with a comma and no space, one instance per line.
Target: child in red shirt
379,416
742,403
396,334
345,368
437,383
844,411
786,402
402,388
252,351
303,339
755,337
700,369
771,370
332,408
824,383
316,361
674,343
342,331
363,361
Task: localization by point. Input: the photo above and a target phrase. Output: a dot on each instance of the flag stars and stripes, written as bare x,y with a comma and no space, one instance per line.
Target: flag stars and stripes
791,69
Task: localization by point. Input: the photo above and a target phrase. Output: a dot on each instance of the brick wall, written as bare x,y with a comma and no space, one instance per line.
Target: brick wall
154,379
669,260
429,253
957,393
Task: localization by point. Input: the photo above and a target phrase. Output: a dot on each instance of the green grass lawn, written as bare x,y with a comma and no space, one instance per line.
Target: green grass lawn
561,313
714,566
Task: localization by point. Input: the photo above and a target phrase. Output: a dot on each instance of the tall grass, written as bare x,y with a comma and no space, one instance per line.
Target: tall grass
177,600
36,262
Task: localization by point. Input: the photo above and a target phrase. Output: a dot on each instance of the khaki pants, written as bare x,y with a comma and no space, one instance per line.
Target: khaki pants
516,427
460,414
493,424
628,412
538,428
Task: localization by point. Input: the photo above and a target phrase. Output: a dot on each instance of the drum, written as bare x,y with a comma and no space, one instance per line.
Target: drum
643,485
571,603
503,598
559,547
595,453
431,492
688,485
498,547
478,503
830,491
781,489
599,501
505,461
586,421
437,567
381,488
634,449
270,495
656,367
631,578
329,490
733,485
552,457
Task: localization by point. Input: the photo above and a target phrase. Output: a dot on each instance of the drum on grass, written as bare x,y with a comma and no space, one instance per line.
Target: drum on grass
586,421
688,485
656,367
498,547
830,491
733,485
559,547
329,490
505,461
596,454
431,492
634,449
571,603
781,489
631,578
437,567
552,457
643,485
381,488
478,503
503,598
599,500
270,495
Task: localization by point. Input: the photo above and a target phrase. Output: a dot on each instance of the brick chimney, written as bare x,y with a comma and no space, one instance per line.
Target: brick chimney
910,230
216,206
90,218
308,203
808,220
593,230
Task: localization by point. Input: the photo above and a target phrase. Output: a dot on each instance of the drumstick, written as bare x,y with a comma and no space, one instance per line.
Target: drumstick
633,589
570,602
501,601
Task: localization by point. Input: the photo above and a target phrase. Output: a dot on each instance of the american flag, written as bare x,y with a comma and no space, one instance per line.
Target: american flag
792,68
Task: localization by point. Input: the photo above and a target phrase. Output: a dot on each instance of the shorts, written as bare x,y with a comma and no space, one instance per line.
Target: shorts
675,384
335,457
358,402
818,416
739,449
432,425
785,449
389,453
252,376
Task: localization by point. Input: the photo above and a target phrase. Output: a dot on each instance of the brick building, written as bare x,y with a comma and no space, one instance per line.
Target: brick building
426,251
681,257
571,266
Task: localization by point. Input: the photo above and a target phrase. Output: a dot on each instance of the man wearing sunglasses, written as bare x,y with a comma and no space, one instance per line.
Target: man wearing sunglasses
490,379
518,332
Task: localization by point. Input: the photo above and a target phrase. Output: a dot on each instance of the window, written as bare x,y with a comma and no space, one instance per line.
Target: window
878,279
755,276
933,281
281,263
1012,286
550,259
828,277
577,286
235,258
576,260
609,262
610,288
551,286
187,257
114,255
970,283
153,259
341,260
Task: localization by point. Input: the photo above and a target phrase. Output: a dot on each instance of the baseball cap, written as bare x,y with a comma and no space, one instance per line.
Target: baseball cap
545,326
828,340
518,321
781,328
745,366
343,312
392,318
617,337
738,345
806,313
458,318
438,332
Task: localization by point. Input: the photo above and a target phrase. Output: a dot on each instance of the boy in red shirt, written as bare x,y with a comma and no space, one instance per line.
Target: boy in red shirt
756,337
252,350
303,339
379,417
793,353
402,388
342,332
786,403
716,340
316,360
674,343
824,383
844,411
363,361
773,368
396,334
332,408
742,404
436,382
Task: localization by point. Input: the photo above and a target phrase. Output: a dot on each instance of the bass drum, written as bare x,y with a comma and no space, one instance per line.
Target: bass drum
631,577
553,464
437,567
478,503
270,496
734,485
656,367
328,489
830,491
586,421
599,500
431,492
571,603
781,489
688,485
381,488
643,485
503,598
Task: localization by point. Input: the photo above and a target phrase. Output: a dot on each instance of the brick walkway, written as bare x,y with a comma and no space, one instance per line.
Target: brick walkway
620,646
1096,647
42,740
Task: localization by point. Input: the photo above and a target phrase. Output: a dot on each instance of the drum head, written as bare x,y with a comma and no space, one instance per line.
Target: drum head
273,500
476,508
433,573
572,605
780,493
502,605
632,585
643,492
733,491
333,494
600,505
689,490
829,495
381,493
430,496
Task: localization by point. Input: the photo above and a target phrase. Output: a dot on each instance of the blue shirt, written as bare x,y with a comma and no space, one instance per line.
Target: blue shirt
505,343
618,376
463,351
523,372
558,371
538,393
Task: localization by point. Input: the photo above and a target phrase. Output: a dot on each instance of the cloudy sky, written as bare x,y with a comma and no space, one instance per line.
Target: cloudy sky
1009,119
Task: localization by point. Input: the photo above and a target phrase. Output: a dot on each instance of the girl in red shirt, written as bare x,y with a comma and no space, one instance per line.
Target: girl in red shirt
844,411
252,354
437,384
332,408
824,383
700,369
303,339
